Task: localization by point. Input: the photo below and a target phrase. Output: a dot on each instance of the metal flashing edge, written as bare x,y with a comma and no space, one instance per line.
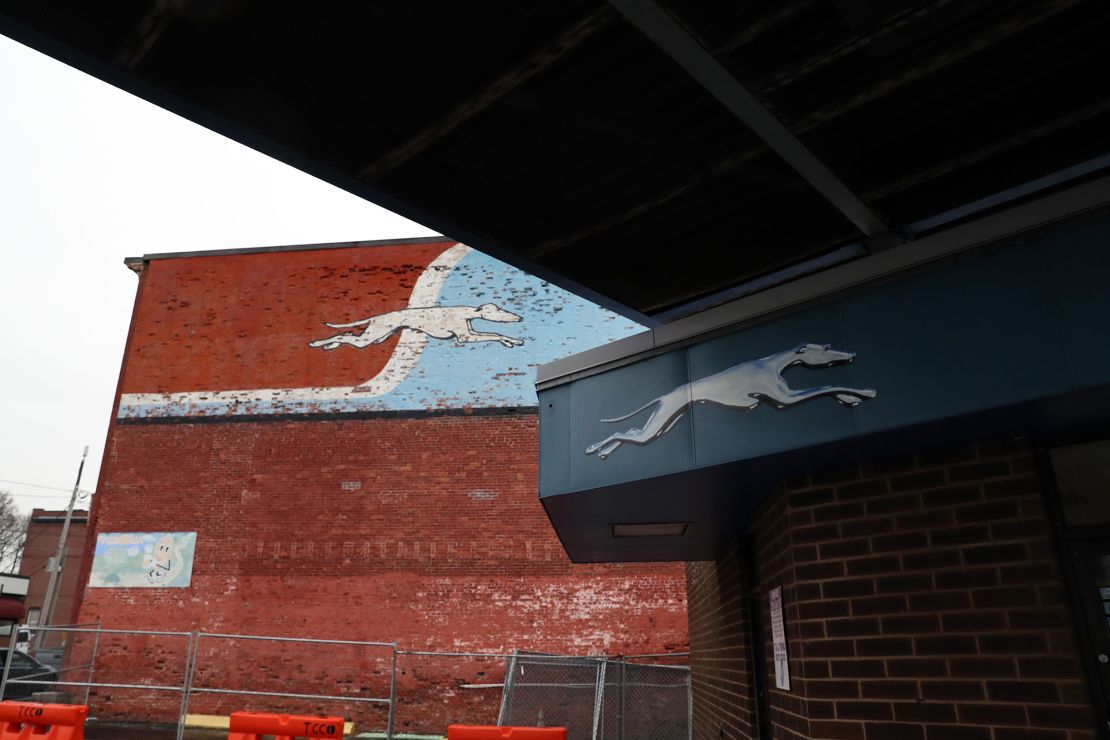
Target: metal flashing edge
288,248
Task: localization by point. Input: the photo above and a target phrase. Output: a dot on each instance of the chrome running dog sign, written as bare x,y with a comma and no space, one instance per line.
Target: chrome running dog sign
741,387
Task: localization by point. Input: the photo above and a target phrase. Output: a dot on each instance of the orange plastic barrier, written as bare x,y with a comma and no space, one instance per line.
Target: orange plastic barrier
253,725
474,732
23,720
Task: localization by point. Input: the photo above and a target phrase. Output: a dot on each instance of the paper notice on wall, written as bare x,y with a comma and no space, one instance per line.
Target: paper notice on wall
778,640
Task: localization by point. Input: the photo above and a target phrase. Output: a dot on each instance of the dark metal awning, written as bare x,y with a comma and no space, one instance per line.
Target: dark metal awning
666,447
659,157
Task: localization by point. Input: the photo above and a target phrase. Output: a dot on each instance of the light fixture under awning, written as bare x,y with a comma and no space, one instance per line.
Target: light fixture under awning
668,529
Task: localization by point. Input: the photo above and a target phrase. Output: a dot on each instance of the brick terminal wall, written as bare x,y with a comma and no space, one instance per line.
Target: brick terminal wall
427,531
385,492
922,601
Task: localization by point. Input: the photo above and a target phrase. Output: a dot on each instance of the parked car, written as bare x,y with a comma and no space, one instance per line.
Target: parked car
51,657
26,667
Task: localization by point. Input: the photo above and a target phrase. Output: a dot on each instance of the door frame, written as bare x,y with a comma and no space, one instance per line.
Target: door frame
1072,544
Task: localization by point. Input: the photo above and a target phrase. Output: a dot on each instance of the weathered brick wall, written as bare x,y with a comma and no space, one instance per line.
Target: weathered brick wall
923,602
425,531
720,647
43,530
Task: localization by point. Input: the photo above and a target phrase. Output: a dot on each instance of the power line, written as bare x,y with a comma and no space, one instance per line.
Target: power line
33,495
34,485
38,485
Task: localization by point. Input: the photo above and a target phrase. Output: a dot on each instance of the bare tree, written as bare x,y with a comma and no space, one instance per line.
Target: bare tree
13,533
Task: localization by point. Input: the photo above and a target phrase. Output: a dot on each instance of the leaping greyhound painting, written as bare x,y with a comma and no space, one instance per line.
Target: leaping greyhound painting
438,322
741,387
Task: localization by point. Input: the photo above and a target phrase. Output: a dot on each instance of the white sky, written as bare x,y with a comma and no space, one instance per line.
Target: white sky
89,175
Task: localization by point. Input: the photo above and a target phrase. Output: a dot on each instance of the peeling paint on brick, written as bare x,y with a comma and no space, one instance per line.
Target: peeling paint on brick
480,494
235,334
424,529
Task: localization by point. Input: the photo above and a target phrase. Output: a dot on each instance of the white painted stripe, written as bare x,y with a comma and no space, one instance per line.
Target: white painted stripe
405,356
407,353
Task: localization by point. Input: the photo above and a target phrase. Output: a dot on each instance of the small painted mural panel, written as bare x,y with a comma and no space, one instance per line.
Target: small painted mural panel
143,560
378,328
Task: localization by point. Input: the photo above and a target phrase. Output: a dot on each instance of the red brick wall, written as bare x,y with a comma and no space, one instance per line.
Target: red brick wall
922,600
242,321
720,648
40,546
443,546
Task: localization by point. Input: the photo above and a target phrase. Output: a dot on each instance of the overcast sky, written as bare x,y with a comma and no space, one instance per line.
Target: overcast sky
90,175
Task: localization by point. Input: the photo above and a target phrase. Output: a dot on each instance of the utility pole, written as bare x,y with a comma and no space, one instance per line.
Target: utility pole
59,559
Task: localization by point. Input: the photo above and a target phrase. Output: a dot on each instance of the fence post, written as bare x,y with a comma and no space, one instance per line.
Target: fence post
392,696
690,703
624,665
8,660
599,696
192,647
507,690
92,659
180,733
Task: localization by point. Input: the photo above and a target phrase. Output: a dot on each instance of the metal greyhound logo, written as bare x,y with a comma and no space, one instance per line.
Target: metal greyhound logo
741,387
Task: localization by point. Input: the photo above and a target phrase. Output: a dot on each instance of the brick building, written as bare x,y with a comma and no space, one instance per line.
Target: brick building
258,480
926,533
43,529
923,597
869,242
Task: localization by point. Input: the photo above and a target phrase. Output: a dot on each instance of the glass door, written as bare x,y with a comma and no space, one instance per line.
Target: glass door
1080,513
1092,570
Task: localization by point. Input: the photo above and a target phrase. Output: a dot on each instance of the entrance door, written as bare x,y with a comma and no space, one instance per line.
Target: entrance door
1092,571
1080,511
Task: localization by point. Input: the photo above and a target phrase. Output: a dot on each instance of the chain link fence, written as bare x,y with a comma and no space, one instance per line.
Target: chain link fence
142,673
62,655
159,678
436,689
598,698
646,702
352,678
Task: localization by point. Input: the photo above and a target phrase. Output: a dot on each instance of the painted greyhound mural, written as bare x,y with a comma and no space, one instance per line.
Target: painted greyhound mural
438,322
440,326
741,387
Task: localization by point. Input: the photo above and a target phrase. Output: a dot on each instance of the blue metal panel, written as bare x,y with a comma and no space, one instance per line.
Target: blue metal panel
977,334
1014,337
612,395
1078,276
723,434
554,412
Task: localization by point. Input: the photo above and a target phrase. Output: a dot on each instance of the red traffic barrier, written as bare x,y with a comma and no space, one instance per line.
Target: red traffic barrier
253,725
23,720
475,732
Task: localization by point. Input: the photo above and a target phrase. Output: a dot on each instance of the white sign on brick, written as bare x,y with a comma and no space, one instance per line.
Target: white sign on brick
778,640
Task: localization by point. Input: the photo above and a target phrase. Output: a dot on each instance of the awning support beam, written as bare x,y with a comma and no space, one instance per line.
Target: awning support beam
677,43
497,90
